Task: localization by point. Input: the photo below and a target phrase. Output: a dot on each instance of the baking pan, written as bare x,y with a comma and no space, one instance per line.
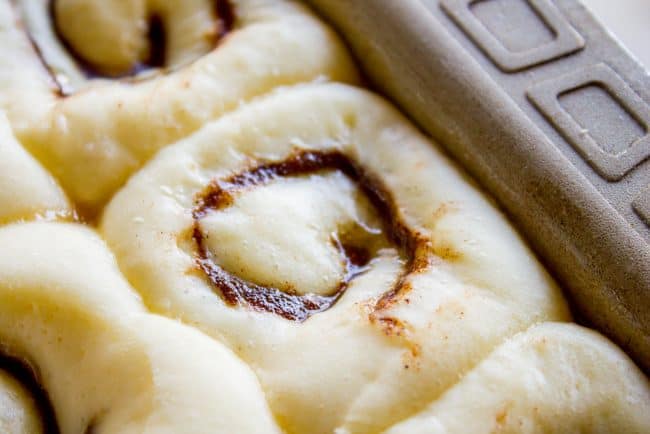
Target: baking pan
540,103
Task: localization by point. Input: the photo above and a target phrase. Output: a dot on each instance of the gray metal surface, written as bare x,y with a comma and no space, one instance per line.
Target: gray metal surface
616,164
544,107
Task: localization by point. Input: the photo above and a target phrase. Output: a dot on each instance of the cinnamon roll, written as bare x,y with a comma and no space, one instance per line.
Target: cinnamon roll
106,363
361,275
279,253
93,89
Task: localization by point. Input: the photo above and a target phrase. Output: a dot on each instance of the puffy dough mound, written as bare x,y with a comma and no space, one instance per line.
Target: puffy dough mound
27,191
94,138
107,364
551,378
416,278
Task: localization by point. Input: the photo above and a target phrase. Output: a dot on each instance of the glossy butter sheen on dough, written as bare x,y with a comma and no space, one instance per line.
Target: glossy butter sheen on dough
251,236
297,258
93,139
367,362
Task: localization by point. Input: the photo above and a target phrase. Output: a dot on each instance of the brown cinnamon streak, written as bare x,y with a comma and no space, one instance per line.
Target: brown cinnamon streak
156,34
238,292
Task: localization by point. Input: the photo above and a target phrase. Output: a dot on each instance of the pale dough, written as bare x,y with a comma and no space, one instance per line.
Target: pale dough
386,293
358,367
93,139
106,363
27,191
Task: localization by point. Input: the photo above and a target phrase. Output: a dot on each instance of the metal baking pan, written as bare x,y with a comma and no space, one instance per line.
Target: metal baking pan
548,111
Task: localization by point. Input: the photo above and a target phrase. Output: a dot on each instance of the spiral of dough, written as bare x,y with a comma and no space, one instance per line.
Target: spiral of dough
114,38
108,365
328,243
278,254
92,133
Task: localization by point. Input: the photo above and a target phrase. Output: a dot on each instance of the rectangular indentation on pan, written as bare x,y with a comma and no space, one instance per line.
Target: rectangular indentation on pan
514,23
600,115
515,34
611,126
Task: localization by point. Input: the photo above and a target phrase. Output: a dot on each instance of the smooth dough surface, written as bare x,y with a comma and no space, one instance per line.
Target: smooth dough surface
93,139
552,378
107,364
427,313
362,365
27,191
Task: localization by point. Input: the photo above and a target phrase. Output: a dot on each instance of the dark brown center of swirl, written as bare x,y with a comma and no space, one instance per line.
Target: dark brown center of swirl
28,378
236,291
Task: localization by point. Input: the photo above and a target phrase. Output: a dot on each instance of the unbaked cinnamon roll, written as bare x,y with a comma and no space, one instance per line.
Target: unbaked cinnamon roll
94,88
282,255
369,284
106,364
